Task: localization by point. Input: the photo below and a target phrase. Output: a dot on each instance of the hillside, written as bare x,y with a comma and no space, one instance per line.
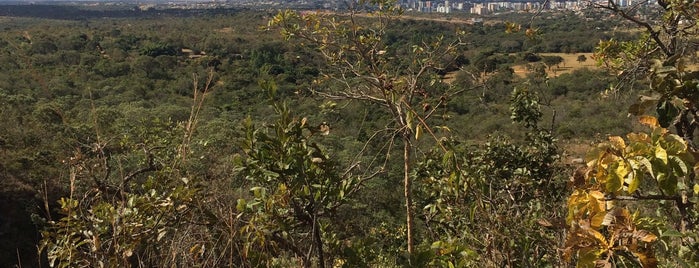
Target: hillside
208,139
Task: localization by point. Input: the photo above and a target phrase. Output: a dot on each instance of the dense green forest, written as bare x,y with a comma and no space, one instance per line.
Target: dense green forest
241,138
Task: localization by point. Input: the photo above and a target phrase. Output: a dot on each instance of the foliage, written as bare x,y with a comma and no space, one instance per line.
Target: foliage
655,169
118,220
581,59
296,190
648,166
552,61
500,196
89,90
158,49
364,67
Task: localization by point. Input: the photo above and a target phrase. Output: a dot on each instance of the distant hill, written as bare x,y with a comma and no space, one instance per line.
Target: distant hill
73,12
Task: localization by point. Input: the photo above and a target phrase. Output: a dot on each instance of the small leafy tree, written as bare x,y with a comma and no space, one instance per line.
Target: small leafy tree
581,59
296,189
362,66
127,198
501,196
552,61
646,171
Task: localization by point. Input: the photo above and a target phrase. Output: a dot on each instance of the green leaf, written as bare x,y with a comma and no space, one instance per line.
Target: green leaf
672,233
240,206
634,182
666,113
418,131
645,163
674,144
258,192
587,257
678,165
615,180
667,183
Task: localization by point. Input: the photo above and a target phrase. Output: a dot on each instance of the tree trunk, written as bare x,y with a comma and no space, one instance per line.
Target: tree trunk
407,184
318,241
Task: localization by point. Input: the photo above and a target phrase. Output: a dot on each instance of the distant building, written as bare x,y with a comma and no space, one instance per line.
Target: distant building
479,9
444,8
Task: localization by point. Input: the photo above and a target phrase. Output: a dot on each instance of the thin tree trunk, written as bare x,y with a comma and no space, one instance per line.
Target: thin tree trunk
318,241
407,183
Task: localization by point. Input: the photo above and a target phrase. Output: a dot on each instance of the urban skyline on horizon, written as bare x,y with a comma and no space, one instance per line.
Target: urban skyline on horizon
478,7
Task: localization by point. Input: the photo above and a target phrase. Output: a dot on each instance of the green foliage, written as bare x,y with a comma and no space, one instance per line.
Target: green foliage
552,61
363,66
296,189
119,219
115,234
499,196
525,108
158,49
108,101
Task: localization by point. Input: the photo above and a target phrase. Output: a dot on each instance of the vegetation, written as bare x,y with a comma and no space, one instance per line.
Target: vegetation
642,190
163,139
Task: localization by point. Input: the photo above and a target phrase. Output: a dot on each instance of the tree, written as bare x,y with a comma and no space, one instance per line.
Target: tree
296,190
158,49
501,195
130,196
551,61
581,59
362,66
649,169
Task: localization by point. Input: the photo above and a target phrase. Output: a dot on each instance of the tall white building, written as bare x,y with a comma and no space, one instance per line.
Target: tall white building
446,8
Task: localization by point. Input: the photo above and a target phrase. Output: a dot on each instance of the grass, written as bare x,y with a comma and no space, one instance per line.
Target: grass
570,63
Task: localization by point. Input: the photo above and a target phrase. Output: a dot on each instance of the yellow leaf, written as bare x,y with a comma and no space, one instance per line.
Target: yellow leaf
418,131
597,195
601,240
644,236
194,248
647,260
696,188
597,220
617,143
622,170
638,137
661,154
588,257
324,129
649,121
634,181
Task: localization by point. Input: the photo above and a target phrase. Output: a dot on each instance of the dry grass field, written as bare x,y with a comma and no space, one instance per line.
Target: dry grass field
570,63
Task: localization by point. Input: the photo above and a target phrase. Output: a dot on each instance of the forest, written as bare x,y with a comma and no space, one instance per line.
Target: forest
370,138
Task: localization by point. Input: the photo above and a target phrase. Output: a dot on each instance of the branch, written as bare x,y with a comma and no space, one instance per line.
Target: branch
427,127
151,167
653,33
641,197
